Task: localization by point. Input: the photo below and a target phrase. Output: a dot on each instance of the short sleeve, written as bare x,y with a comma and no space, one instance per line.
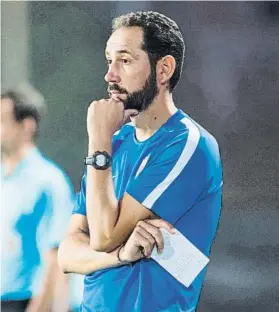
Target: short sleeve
80,203
60,205
173,182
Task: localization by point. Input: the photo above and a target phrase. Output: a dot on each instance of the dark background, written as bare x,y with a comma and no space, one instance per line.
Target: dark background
230,85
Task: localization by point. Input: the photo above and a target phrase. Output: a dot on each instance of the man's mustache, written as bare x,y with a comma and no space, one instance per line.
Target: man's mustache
115,87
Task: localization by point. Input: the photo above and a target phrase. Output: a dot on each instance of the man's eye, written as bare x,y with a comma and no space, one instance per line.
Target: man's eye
125,61
108,62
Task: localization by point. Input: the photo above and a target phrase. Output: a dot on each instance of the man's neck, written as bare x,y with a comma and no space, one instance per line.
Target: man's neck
12,158
149,121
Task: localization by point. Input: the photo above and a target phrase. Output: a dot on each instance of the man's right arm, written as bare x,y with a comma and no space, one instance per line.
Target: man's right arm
75,254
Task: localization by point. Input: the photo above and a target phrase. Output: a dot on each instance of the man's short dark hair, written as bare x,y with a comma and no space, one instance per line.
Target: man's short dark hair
27,102
161,37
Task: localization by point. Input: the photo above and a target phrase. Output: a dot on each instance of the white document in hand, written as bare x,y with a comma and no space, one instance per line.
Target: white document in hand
180,257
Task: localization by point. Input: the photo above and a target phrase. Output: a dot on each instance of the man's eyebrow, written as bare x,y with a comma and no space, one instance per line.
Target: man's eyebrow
124,51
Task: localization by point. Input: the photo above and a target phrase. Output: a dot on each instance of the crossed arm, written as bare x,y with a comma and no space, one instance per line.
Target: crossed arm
75,254
110,222
93,241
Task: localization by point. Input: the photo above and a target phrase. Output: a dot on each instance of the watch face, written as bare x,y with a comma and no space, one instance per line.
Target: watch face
101,160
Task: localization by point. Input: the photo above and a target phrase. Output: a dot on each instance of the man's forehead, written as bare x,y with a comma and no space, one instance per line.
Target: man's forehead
125,39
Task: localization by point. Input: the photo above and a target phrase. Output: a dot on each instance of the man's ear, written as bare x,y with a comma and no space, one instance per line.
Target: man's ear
165,69
30,126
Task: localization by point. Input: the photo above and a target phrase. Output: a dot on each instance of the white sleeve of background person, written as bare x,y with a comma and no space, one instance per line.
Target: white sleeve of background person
61,205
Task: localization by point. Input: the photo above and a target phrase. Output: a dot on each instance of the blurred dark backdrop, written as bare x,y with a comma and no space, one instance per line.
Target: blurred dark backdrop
230,85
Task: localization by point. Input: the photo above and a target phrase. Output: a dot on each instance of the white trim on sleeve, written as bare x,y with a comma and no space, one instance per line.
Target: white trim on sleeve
188,151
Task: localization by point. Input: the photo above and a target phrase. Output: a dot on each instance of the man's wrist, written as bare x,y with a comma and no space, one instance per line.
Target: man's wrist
121,256
99,145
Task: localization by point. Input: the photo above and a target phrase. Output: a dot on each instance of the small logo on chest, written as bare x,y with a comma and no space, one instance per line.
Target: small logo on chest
142,165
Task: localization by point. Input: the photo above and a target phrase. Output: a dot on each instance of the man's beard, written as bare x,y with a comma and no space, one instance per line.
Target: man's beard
143,98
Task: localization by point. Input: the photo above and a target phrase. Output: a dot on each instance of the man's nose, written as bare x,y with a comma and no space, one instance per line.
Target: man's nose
112,75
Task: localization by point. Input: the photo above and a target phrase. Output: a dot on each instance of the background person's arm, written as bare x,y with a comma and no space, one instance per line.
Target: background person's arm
59,201
53,279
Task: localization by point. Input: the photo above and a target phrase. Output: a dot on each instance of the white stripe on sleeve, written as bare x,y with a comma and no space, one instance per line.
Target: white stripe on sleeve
187,153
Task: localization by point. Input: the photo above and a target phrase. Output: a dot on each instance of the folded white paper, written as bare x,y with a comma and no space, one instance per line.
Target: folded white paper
180,257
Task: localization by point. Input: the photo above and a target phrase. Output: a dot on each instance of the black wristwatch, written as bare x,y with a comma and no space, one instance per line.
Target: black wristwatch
99,160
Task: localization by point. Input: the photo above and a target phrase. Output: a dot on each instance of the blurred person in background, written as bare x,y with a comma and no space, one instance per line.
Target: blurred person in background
163,164
76,291
37,199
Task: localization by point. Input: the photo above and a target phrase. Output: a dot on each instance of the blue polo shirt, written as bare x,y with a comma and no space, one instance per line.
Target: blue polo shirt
177,174
36,205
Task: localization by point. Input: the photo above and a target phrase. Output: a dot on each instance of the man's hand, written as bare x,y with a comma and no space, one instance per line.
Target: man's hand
106,116
144,238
